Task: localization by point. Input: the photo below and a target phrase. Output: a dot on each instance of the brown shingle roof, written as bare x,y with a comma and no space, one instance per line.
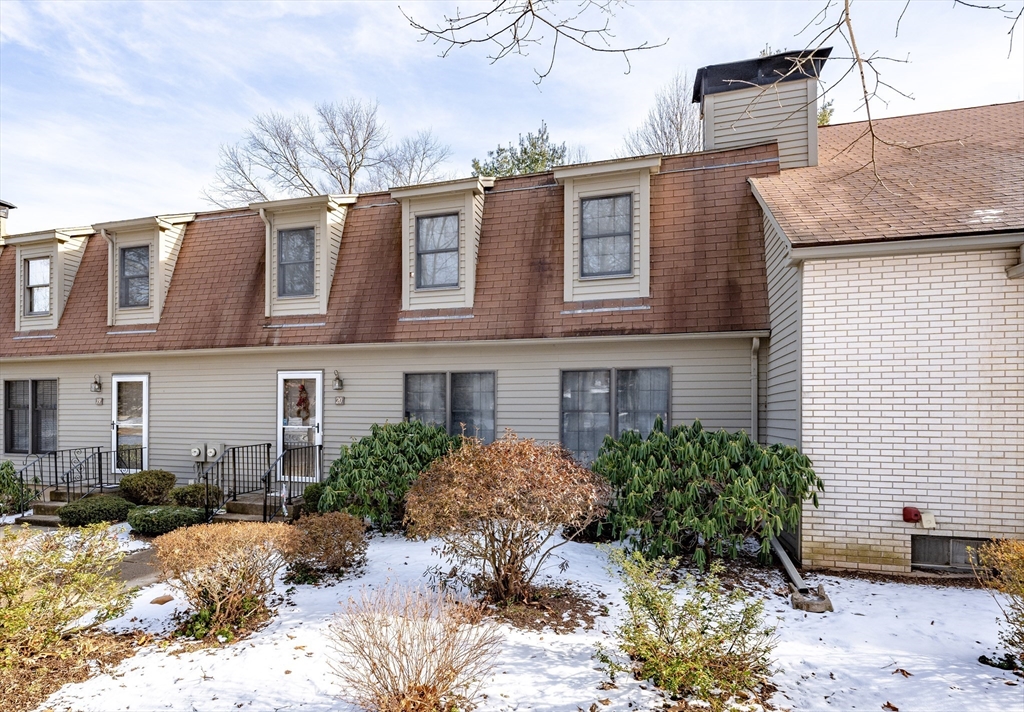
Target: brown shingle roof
707,273
947,173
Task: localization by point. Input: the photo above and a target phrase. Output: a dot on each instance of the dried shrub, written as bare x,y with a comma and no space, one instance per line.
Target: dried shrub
225,571
148,486
1001,568
371,477
153,521
412,650
93,510
50,582
689,636
329,543
693,492
498,509
197,495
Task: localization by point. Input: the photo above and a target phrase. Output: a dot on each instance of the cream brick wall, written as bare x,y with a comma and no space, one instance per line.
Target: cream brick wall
913,395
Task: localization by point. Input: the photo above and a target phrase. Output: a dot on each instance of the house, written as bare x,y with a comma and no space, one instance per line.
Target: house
764,284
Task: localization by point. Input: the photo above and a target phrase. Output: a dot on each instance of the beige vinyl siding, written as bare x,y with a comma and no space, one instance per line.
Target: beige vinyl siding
170,245
22,321
124,316
232,398
637,284
295,306
71,253
464,204
787,113
782,358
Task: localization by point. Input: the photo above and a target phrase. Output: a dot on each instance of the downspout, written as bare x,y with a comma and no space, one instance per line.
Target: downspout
1017,271
755,346
266,275
110,275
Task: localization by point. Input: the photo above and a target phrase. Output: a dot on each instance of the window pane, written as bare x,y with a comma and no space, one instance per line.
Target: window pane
136,292
134,277
38,272
39,300
45,414
135,261
129,402
296,263
297,245
586,412
641,395
473,405
437,233
17,411
606,255
439,269
299,402
425,398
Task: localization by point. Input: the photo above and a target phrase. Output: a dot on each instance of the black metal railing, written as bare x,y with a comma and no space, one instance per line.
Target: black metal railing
45,471
99,469
238,470
288,477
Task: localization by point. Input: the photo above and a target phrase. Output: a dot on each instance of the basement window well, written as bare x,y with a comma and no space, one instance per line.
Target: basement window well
943,552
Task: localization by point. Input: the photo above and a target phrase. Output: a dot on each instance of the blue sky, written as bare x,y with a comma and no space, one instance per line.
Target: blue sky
116,110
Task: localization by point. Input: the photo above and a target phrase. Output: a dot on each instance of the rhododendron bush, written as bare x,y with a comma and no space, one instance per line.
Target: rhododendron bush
499,508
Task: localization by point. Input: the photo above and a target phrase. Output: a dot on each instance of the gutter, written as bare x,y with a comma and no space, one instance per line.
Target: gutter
266,267
1017,271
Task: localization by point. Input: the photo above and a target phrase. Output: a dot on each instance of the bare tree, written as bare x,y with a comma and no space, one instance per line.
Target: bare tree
410,161
330,152
517,26
673,123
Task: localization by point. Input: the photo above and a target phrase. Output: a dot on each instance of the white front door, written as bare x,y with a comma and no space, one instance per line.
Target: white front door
299,412
130,423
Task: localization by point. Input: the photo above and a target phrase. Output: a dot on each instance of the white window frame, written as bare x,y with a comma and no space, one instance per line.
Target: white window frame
29,286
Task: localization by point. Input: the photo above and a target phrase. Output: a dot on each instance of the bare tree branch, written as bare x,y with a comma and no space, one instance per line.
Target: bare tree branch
672,125
281,156
516,26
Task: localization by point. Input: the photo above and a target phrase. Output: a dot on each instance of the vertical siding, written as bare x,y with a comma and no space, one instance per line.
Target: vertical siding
232,398
782,355
744,117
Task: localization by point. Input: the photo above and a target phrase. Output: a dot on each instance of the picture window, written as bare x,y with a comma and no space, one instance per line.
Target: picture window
471,399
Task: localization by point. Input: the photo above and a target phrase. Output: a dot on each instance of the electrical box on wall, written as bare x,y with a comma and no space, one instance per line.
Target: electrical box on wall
197,451
215,450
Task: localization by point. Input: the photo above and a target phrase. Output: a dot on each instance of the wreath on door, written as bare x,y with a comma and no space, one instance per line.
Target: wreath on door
302,404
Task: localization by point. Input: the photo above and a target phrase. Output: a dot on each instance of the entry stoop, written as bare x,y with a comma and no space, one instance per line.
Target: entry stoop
249,508
46,510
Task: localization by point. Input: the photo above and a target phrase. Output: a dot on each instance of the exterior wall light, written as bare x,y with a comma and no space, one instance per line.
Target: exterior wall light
96,386
338,384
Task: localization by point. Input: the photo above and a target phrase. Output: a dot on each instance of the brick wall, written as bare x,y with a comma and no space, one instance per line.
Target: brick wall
913,394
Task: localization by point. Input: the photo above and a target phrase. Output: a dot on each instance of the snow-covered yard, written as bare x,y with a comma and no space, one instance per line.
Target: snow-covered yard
850,659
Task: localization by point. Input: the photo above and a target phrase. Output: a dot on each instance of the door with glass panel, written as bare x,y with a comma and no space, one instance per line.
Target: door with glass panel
130,423
299,408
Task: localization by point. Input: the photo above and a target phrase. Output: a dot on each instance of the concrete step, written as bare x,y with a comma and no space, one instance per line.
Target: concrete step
47,508
57,495
248,506
228,518
39,520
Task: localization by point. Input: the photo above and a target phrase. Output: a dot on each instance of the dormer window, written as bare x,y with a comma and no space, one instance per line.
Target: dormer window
608,229
296,263
134,273
437,251
606,236
37,286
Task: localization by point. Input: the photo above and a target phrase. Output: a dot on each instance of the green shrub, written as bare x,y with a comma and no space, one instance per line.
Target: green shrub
311,497
695,492
690,637
13,497
195,495
153,521
371,477
148,486
49,582
92,510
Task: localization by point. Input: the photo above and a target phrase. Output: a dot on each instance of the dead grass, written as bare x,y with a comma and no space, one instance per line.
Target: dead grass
560,609
30,680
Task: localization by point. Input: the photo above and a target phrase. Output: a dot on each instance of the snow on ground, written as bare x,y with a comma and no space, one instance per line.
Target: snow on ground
125,541
837,661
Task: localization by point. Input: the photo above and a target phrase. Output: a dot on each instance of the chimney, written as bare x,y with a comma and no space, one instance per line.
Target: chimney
772,98
5,207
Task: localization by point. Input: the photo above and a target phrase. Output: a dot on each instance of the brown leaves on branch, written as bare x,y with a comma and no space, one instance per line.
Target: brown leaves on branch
499,508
